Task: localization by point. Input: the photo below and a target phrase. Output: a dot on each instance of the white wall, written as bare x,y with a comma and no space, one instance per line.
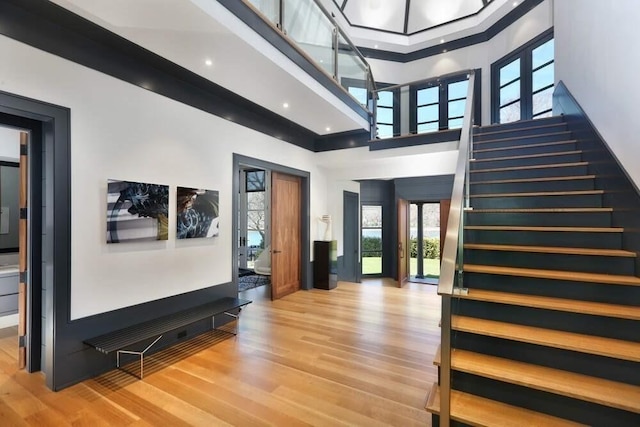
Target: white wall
9,144
335,207
597,58
480,55
119,131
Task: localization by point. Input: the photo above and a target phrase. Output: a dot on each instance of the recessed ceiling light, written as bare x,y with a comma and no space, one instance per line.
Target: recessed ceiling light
208,63
441,40
285,105
375,46
328,129
515,3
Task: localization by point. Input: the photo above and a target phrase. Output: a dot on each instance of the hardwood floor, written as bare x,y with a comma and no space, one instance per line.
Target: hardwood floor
360,354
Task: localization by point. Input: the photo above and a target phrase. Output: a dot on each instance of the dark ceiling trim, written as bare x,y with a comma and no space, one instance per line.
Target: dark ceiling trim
518,12
277,39
343,140
49,27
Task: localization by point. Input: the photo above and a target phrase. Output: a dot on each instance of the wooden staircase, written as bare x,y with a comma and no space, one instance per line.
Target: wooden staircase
549,330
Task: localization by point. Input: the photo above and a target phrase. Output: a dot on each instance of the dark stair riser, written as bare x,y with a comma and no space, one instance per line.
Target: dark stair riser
543,219
546,238
558,219
534,186
507,162
608,327
596,292
523,124
539,172
560,406
623,371
555,201
512,133
613,265
536,149
526,140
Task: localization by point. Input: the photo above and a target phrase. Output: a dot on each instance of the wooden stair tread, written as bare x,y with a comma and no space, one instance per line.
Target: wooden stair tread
543,229
516,138
578,386
541,179
557,304
539,210
517,168
527,156
573,276
541,193
551,250
591,344
479,411
517,147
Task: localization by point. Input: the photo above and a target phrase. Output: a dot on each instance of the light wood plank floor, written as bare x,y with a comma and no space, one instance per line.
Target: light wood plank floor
359,355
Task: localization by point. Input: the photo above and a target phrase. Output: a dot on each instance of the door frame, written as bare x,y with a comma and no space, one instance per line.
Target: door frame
354,235
240,161
50,247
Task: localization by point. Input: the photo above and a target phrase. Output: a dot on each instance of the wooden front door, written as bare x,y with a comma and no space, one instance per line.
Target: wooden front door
403,242
22,252
286,195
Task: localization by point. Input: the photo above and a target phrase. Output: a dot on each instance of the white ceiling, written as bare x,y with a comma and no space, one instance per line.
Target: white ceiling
189,33
192,32
390,15
379,24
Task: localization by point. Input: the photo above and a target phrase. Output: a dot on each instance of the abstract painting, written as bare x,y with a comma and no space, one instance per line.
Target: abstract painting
197,212
137,211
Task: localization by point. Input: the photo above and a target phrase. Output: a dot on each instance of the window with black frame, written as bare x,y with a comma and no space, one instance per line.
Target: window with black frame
523,82
387,107
439,105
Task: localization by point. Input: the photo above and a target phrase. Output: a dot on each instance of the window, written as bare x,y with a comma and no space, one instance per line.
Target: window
371,239
440,105
523,82
387,107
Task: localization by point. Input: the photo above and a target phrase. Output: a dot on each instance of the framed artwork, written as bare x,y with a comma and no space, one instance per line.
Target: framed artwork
197,212
137,211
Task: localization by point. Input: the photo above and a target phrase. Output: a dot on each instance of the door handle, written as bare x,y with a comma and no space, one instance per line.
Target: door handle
275,252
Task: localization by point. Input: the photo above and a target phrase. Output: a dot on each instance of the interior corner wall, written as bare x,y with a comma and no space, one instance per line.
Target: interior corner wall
335,208
121,131
481,55
597,61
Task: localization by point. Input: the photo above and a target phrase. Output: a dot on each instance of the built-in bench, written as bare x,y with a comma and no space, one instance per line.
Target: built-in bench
154,329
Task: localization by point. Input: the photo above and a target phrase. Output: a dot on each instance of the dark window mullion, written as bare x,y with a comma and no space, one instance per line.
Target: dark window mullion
512,81
510,103
542,89
542,66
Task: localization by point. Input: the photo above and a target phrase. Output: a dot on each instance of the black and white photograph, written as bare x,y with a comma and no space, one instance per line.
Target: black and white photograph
137,211
197,213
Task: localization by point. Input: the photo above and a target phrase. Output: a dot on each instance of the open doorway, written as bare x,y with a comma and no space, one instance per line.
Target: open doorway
10,139
424,233
271,228
254,238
